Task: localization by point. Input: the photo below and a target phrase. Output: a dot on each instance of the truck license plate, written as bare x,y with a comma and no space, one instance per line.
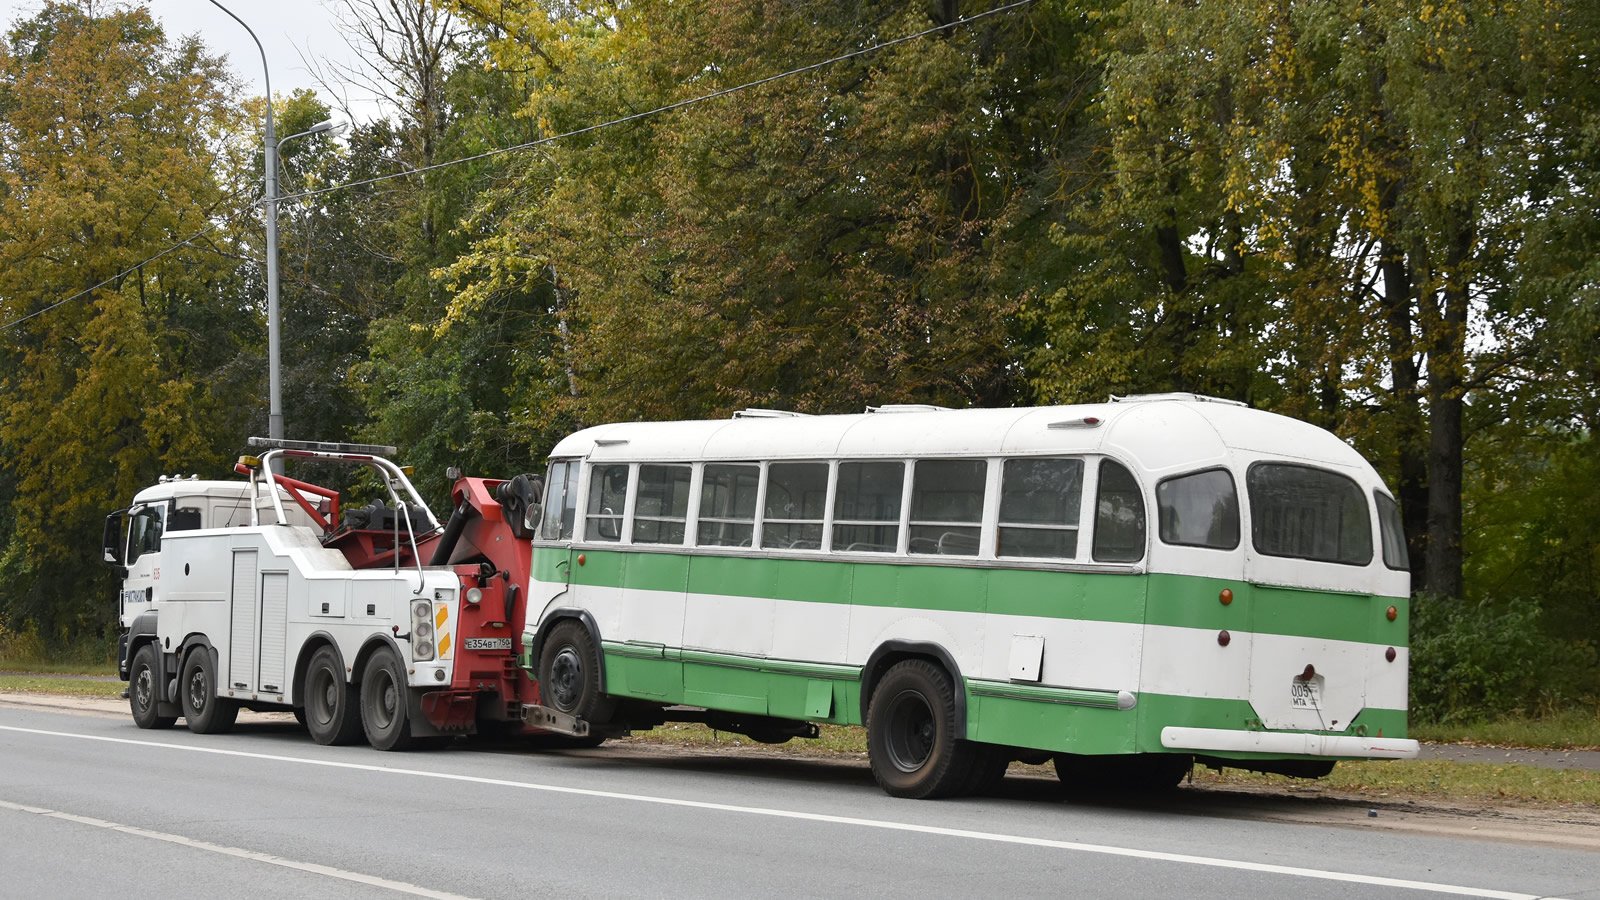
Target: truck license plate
1305,694
500,643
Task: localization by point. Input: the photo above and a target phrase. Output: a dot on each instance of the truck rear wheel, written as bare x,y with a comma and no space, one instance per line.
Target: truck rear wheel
332,704
203,710
144,690
385,708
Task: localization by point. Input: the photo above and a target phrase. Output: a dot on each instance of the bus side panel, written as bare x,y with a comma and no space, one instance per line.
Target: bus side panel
1040,725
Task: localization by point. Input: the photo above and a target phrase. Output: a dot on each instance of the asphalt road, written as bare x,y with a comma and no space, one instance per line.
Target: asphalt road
94,807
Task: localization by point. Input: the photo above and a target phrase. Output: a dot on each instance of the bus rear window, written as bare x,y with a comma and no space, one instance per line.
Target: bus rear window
1307,513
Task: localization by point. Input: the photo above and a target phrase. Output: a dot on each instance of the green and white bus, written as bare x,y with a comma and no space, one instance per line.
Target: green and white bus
1126,587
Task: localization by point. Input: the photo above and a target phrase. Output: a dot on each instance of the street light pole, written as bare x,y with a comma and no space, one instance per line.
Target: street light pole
274,339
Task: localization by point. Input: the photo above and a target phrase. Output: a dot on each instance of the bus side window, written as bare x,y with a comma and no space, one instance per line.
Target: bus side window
866,507
1040,500
1393,534
947,506
1119,516
728,505
1200,509
608,492
661,509
560,502
796,498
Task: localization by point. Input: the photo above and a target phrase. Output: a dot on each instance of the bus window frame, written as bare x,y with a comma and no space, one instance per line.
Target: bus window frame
625,538
824,543
898,523
637,482
1088,482
1238,510
697,498
1374,550
914,464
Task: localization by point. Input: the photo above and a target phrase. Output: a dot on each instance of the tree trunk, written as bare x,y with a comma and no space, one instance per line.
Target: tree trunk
1447,403
1411,489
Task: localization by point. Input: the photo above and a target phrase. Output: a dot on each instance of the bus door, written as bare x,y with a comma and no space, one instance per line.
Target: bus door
553,556
1306,561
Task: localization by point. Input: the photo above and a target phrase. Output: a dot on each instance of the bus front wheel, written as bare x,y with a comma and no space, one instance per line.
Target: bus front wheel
569,674
911,734
144,690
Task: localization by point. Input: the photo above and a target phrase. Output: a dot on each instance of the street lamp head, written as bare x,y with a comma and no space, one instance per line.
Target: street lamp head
328,125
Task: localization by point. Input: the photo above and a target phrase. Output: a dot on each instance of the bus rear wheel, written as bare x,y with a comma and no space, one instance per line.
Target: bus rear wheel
144,690
569,674
385,707
203,710
911,734
332,704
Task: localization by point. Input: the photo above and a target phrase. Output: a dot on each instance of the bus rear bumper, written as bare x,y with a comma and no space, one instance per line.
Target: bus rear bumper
1222,740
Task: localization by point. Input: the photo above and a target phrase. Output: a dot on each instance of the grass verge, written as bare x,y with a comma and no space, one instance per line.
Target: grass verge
1436,779
71,687
1576,729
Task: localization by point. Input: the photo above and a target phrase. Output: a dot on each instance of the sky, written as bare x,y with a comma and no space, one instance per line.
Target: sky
288,29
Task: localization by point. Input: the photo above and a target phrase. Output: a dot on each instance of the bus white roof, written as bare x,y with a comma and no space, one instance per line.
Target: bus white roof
1160,432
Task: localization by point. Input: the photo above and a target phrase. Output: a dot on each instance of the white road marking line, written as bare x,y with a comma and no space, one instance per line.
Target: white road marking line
314,868
993,837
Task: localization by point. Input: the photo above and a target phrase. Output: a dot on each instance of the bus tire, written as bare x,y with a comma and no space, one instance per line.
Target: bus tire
203,711
569,674
144,691
911,734
332,704
385,706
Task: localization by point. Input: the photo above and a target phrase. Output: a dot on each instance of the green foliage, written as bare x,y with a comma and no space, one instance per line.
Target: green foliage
111,133
1472,661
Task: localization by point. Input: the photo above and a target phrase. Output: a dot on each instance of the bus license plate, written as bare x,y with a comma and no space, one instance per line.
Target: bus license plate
1305,694
500,643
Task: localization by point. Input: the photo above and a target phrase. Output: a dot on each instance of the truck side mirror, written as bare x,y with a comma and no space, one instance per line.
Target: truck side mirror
111,541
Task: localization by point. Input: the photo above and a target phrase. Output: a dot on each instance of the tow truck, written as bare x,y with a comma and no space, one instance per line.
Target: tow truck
375,621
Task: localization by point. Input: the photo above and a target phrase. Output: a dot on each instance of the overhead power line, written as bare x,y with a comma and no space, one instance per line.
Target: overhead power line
714,95
623,120
135,267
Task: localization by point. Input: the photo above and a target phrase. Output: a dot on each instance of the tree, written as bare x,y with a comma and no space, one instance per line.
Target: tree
856,234
111,136
1316,205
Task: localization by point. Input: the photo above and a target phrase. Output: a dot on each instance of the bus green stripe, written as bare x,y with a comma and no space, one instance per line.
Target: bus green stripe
1158,599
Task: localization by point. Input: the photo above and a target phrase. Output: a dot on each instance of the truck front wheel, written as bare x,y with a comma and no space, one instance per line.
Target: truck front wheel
203,710
332,704
144,690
